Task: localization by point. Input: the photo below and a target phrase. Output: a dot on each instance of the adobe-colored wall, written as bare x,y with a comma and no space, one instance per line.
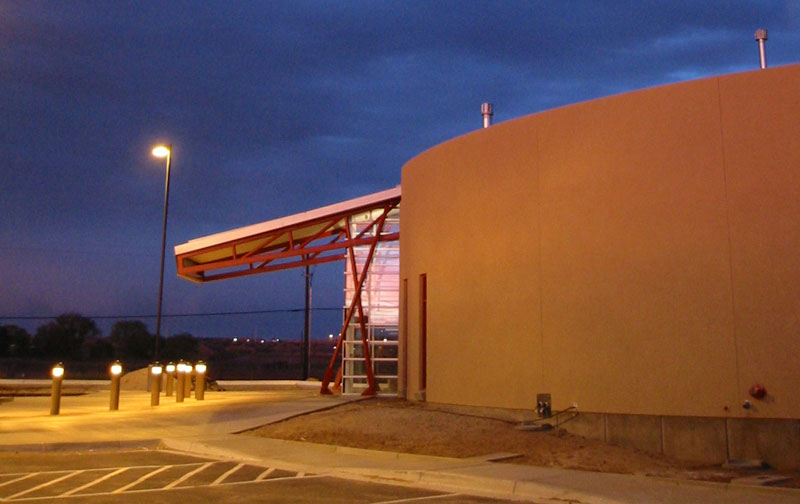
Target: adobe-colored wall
638,254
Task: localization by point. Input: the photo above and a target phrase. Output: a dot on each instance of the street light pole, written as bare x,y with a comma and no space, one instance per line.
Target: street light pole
307,327
162,151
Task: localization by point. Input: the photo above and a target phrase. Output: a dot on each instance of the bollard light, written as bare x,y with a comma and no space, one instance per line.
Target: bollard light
179,387
187,369
170,377
155,383
200,384
55,391
116,372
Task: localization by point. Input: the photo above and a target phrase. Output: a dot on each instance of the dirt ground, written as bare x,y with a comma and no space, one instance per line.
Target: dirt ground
402,426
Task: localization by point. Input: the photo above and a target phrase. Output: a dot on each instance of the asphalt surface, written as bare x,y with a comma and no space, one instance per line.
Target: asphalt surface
158,476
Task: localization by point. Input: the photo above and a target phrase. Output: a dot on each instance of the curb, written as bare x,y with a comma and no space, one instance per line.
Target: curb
255,385
432,479
83,446
792,492
442,479
200,448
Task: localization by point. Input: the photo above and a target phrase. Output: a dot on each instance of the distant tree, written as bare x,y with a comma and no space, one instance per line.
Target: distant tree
99,349
14,341
132,340
64,337
181,346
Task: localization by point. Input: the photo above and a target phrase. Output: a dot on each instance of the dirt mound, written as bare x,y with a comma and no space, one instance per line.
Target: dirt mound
135,380
401,426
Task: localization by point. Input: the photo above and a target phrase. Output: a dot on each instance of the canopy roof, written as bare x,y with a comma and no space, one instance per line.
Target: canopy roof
312,237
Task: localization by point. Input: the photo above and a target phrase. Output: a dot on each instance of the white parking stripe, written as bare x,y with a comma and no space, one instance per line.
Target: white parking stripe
92,483
265,474
43,485
155,490
146,476
187,476
418,499
226,474
62,471
29,475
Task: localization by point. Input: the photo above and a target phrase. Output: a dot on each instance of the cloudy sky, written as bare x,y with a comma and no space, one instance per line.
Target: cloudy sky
278,107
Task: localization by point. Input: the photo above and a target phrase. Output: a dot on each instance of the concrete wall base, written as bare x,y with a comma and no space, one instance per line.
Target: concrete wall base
702,440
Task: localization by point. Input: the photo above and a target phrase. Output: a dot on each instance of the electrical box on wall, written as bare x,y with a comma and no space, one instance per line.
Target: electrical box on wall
543,405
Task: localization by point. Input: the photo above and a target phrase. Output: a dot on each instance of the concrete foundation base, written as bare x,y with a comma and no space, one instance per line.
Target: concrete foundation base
697,439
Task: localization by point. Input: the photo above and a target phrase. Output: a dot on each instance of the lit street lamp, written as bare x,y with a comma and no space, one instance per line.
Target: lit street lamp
162,151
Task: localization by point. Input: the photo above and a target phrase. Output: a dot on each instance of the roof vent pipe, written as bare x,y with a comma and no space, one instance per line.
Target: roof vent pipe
761,37
487,113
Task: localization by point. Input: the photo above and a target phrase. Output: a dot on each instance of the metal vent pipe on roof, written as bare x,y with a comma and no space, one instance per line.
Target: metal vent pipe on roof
761,38
487,113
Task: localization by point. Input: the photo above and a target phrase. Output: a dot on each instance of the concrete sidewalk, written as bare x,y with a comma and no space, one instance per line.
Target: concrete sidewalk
86,419
205,428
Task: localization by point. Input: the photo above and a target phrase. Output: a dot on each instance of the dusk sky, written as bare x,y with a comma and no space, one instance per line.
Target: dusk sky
277,107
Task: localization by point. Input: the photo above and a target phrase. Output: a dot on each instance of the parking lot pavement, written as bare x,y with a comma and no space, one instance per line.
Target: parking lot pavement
158,476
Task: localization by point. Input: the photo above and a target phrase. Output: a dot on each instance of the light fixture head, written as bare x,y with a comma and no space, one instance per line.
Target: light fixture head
161,151
170,368
200,367
58,370
156,369
116,369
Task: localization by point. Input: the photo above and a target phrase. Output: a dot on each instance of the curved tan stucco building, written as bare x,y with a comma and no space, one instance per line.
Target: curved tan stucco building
637,255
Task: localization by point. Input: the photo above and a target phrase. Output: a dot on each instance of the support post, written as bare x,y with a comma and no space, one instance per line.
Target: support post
180,387
155,384
200,385
170,377
307,328
116,373
188,369
55,390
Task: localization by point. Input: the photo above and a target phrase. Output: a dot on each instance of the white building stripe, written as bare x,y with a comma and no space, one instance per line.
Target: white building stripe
92,483
226,474
143,478
187,476
43,485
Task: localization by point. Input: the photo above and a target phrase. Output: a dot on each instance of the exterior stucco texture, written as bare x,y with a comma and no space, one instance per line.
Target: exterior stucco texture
637,254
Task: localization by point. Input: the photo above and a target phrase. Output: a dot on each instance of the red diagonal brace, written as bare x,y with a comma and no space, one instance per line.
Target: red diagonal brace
370,391
356,302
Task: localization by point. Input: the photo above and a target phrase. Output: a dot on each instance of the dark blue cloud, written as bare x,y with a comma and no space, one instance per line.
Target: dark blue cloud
278,107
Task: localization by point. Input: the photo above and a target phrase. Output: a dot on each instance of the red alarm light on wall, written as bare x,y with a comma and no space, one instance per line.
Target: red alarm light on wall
758,391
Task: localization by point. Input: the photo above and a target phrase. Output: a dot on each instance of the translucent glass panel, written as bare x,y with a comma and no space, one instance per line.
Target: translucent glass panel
380,297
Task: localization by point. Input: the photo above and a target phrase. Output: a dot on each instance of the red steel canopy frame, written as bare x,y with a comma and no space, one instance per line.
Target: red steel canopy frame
315,237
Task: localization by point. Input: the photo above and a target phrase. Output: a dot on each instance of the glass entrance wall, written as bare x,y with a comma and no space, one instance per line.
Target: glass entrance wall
380,298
